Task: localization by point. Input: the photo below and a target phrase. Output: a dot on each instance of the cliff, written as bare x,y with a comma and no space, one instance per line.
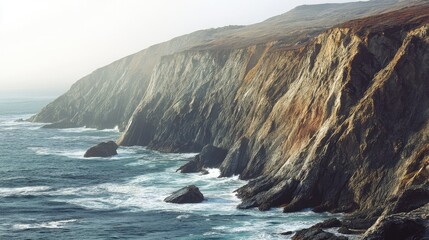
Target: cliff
333,118
338,124
107,97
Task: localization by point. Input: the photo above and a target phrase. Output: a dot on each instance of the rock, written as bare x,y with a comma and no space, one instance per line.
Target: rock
330,223
20,120
345,230
210,157
399,226
411,199
204,172
104,149
61,124
315,233
358,223
189,194
236,160
286,233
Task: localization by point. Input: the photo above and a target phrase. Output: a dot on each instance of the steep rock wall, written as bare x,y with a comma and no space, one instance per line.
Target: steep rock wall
340,124
107,97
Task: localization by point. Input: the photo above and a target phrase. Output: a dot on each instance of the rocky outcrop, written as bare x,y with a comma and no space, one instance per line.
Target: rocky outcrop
65,123
189,194
104,149
329,223
410,225
210,157
315,233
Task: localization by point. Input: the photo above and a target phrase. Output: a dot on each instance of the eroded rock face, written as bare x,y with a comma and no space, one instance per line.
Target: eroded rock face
339,124
189,194
104,149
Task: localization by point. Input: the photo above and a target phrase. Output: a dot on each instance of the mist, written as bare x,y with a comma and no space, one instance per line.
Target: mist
47,45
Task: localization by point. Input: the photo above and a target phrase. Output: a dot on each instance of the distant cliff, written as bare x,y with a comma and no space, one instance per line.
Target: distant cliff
107,97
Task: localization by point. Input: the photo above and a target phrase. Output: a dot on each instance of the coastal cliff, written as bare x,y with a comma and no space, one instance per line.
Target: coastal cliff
338,124
333,118
107,97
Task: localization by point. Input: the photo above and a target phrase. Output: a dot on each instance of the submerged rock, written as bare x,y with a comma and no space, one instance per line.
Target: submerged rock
61,124
104,149
189,194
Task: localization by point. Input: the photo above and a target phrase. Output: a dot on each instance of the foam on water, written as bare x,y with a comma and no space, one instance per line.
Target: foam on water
76,154
51,224
18,191
134,194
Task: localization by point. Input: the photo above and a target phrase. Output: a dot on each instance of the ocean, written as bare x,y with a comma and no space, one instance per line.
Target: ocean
49,191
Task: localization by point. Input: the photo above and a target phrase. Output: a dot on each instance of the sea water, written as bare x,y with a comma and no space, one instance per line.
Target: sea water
49,191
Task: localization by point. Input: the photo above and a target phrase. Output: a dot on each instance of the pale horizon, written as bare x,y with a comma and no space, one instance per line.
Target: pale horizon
47,45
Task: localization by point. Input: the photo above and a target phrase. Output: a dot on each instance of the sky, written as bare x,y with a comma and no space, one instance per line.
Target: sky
47,45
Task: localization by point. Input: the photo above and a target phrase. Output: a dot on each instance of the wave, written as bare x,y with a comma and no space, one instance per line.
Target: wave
147,193
51,224
87,129
20,191
44,151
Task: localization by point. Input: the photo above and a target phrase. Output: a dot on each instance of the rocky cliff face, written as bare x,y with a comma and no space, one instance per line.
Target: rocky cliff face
338,124
107,97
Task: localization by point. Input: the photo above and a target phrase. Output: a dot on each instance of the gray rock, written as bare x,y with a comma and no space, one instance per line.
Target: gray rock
399,226
104,149
189,194
315,233
329,223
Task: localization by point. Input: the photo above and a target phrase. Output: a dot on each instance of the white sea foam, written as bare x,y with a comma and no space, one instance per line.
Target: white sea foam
51,224
18,191
115,129
76,154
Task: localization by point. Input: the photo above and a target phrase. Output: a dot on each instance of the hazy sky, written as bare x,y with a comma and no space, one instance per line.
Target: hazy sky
46,45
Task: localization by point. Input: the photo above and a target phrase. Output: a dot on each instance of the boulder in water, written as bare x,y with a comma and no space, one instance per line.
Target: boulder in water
189,194
104,149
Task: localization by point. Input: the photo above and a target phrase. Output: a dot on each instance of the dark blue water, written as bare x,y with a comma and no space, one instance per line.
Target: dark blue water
49,191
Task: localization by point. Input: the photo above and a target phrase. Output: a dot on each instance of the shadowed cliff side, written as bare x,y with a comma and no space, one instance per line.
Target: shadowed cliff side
340,124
